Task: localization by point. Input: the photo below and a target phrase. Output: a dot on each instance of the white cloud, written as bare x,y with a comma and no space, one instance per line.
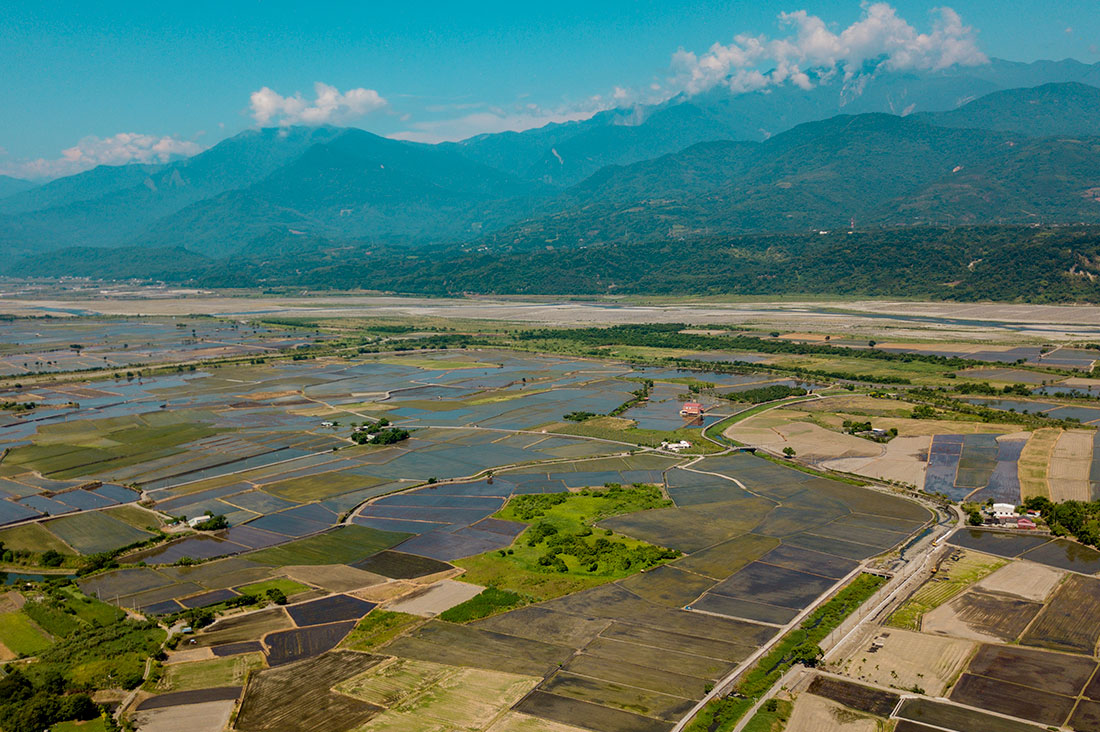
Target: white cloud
880,38
120,149
329,106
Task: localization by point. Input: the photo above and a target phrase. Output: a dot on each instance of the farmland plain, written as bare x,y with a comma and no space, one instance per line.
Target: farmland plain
446,534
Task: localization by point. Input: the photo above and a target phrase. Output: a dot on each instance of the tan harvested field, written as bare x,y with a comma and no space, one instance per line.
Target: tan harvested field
386,591
780,428
187,655
334,577
202,717
981,616
814,714
1070,462
420,696
517,722
1026,580
856,404
433,600
1035,461
901,461
907,659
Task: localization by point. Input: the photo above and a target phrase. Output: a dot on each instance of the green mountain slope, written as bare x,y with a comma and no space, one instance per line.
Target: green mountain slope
818,175
354,184
1069,108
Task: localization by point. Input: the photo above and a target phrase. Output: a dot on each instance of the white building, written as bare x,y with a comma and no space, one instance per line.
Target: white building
1003,510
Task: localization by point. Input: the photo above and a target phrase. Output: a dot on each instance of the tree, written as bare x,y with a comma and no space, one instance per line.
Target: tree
975,517
276,595
214,523
789,451
807,654
52,558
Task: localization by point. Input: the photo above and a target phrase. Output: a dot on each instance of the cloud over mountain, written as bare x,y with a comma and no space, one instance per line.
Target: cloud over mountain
120,149
881,37
329,106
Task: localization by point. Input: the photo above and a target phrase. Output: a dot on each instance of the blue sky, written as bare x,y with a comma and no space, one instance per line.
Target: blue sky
119,81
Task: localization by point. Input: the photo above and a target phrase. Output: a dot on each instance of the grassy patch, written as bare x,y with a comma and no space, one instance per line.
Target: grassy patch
489,601
99,724
491,569
770,717
19,633
950,580
561,538
377,628
561,552
89,609
105,657
798,645
52,618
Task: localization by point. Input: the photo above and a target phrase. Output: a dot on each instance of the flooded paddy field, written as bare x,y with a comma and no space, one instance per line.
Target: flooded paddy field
59,344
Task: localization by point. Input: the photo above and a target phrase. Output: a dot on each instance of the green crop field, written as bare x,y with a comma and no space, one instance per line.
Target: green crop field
137,517
33,538
91,532
20,634
343,545
287,586
319,487
105,444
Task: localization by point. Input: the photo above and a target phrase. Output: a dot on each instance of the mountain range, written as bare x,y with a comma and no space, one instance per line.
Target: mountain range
1003,143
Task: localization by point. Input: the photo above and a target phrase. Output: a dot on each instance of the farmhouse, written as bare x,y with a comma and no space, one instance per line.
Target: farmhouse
691,409
1003,510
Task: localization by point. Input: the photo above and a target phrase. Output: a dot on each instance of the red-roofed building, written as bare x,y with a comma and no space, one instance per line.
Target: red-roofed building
1025,523
691,409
